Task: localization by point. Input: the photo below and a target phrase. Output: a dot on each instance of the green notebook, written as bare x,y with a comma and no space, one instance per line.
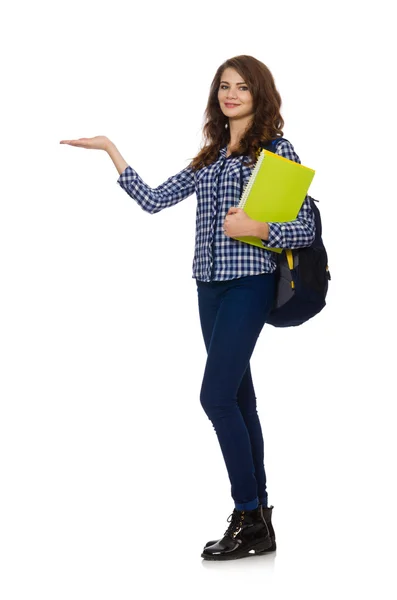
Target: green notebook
275,192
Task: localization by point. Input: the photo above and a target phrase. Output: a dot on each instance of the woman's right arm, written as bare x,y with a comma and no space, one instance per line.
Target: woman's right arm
152,200
176,188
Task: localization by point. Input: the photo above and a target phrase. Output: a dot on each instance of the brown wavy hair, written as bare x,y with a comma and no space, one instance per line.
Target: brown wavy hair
266,124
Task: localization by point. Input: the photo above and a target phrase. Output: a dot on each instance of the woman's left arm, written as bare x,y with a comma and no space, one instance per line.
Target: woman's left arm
292,234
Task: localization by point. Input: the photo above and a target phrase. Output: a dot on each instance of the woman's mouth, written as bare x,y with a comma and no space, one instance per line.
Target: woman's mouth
230,105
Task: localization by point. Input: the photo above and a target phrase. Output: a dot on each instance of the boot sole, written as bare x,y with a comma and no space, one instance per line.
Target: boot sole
259,548
272,548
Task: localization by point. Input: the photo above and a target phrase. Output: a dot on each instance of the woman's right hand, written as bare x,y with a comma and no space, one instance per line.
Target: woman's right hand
99,142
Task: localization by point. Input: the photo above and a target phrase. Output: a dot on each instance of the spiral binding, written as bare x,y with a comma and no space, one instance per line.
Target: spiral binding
251,180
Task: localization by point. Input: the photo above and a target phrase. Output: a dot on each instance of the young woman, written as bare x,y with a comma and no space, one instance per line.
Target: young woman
235,280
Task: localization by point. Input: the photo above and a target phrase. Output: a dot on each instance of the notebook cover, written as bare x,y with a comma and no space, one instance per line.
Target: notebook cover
275,192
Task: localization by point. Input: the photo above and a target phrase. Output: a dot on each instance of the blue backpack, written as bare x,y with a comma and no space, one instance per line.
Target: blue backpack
302,277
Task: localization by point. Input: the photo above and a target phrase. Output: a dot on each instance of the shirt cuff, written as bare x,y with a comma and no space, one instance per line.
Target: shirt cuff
125,178
275,235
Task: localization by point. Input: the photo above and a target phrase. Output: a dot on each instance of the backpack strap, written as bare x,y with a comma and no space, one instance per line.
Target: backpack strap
271,146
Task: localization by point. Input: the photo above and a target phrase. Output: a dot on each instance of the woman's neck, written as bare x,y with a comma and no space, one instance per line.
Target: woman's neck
237,130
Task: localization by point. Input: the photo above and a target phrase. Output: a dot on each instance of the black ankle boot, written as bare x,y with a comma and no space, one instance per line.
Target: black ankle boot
267,515
247,534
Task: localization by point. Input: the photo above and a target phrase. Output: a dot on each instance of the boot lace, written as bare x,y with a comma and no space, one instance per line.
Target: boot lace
236,520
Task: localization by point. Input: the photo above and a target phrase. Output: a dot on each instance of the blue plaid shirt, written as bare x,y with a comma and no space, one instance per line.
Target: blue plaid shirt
218,186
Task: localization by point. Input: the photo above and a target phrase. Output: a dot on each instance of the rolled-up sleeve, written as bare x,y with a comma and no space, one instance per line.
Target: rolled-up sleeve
152,200
300,232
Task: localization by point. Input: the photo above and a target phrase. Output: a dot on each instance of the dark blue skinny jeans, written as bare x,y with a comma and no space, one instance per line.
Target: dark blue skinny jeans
232,315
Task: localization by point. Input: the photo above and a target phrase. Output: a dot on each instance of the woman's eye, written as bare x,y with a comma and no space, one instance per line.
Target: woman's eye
242,87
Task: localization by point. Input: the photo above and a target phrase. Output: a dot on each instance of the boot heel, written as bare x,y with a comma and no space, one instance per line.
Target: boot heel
262,546
271,548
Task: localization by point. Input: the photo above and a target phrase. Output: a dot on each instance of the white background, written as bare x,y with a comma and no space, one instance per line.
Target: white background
112,479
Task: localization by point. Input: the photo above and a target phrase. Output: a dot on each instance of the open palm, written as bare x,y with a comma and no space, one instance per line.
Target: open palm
99,142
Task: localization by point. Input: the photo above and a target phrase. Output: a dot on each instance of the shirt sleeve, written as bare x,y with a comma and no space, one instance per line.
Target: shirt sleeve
152,200
300,232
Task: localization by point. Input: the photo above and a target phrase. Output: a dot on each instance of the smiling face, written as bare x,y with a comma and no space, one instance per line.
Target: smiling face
234,98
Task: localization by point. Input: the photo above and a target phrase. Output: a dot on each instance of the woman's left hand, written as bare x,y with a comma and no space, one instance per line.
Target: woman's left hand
237,223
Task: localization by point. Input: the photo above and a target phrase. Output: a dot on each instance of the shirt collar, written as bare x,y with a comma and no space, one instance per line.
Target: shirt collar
223,152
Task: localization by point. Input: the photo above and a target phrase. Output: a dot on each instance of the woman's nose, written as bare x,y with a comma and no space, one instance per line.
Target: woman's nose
231,94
